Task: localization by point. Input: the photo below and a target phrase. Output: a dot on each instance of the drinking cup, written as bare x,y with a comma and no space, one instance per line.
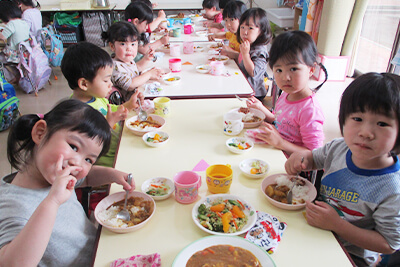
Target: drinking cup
187,21
233,124
175,50
177,32
175,64
187,184
170,23
188,47
162,106
217,68
188,29
219,178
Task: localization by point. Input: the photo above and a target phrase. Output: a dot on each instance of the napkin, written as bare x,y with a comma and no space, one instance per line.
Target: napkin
151,260
201,166
266,232
251,134
147,106
153,88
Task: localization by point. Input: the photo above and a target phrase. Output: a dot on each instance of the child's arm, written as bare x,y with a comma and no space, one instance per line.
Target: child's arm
231,53
160,42
220,35
322,215
2,37
132,102
247,62
113,117
253,102
299,161
154,74
34,237
100,175
160,17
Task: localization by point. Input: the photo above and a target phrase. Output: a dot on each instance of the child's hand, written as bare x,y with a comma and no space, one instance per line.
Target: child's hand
113,117
149,54
214,30
270,135
253,102
296,163
206,23
211,37
245,47
321,215
155,73
121,178
165,39
161,14
132,102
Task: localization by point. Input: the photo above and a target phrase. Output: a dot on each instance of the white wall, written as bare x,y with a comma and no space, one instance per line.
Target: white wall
265,3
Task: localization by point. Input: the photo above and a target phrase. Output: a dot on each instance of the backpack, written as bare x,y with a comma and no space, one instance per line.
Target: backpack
94,23
9,103
48,37
33,66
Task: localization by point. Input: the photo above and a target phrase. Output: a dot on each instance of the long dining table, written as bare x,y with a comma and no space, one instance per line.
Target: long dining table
195,127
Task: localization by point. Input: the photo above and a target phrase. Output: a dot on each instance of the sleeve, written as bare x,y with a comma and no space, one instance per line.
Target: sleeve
121,77
325,155
260,60
28,19
311,121
8,30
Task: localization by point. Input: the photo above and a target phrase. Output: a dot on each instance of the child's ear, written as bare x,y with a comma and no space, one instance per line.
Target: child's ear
312,69
112,46
135,21
83,84
39,131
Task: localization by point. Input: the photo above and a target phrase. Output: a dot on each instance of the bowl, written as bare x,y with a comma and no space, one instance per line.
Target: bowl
196,17
155,138
111,199
198,48
312,192
216,46
249,167
163,183
205,68
135,130
255,112
172,80
220,58
202,33
165,73
248,210
233,145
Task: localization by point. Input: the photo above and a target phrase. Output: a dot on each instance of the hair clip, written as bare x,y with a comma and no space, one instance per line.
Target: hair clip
129,20
41,116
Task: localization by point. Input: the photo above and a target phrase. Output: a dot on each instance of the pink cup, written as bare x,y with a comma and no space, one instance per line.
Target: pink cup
188,47
187,184
217,68
188,29
175,50
175,64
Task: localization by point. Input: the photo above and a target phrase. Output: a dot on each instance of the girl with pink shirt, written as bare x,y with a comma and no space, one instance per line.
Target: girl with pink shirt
297,122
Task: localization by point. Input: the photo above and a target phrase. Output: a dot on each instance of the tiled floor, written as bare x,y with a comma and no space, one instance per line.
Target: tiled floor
329,97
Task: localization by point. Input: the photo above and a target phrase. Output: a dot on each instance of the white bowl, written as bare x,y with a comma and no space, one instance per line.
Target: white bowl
220,58
172,80
160,120
196,17
202,33
166,73
312,192
205,68
239,140
165,182
111,199
256,112
215,46
248,210
247,165
198,48
151,135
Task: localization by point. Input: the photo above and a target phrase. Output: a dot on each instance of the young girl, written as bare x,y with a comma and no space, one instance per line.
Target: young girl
15,31
141,15
361,183
298,119
31,14
253,35
123,40
232,13
39,211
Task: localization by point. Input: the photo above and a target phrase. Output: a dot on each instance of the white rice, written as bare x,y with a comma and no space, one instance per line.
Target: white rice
247,117
109,216
146,128
299,192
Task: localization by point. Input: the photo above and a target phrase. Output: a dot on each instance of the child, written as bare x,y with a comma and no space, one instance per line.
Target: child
212,11
31,14
88,70
232,13
123,40
254,34
218,27
361,183
39,211
298,118
140,15
15,31
157,21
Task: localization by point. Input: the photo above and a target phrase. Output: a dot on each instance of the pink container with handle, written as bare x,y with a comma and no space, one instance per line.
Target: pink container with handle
187,184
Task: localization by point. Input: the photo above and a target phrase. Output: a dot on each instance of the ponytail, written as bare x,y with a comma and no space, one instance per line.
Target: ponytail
326,77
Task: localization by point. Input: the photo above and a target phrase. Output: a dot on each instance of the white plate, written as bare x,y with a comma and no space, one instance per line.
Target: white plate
238,140
176,80
173,16
256,112
158,181
152,134
205,68
198,48
160,120
220,58
208,241
245,167
202,33
249,211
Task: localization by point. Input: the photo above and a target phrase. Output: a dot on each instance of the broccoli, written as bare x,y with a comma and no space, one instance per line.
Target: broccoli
202,209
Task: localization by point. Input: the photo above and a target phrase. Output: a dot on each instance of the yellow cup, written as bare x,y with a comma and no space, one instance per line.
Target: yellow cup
219,178
162,106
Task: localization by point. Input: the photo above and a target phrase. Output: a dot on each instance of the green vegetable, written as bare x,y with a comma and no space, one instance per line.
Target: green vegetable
202,209
234,202
202,217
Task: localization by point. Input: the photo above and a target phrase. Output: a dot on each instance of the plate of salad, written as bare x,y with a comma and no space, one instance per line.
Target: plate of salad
224,214
239,145
158,188
254,168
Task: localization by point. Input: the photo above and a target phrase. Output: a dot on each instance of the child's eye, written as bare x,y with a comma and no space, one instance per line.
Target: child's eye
89,161
278,70
74,148
356,119
293,69
382,124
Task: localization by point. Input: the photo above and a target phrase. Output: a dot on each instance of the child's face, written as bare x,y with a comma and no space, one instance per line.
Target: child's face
292,77
232,24
249,32
101,84
125,51
370,137
76,150
209,13
141,26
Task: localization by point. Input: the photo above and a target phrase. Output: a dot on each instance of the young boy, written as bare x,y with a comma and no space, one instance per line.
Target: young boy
212,11
361,182
88,70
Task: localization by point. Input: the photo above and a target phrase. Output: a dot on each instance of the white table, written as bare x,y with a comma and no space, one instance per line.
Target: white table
195,129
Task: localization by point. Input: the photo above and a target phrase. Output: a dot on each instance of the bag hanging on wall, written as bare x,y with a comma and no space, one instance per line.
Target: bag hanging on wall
94,23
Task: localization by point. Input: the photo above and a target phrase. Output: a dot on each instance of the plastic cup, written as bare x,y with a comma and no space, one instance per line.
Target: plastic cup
187,184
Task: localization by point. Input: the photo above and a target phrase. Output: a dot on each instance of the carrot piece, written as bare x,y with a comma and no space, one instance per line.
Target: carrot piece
235,224
241,204
226,219
238,212
218,207
156,186
231,249
219,214
210,250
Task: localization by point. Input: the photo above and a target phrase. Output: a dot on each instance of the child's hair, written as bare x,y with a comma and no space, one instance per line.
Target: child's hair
9,10
139,10
147,2
222,3
28,3
259,17
375,92
210,4
295,46
234,9
71,115
121,31
83,60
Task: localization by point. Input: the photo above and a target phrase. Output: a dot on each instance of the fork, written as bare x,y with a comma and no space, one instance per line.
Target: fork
241,99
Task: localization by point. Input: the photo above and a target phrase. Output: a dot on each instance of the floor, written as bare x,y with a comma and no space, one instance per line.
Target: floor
328,96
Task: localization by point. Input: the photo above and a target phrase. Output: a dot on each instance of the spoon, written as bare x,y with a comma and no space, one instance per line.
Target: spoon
241,99
124,213
289,195
142,114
